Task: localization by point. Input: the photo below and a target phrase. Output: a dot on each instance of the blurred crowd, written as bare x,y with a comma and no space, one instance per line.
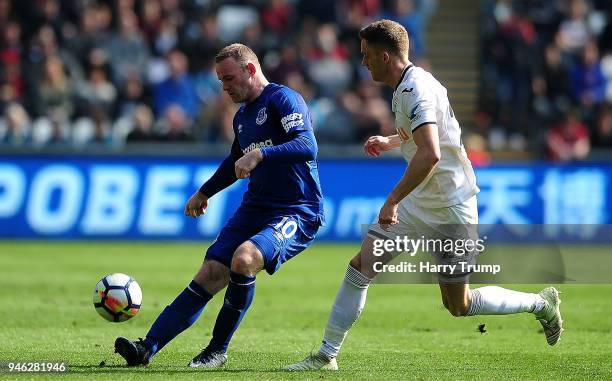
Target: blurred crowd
82,72
547,76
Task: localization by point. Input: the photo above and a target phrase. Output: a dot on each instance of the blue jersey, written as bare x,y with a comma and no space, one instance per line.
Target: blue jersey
277,122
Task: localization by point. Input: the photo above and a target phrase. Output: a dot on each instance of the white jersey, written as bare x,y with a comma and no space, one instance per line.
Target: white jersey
420,99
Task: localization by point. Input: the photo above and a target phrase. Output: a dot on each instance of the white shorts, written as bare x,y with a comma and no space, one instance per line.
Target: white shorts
457,223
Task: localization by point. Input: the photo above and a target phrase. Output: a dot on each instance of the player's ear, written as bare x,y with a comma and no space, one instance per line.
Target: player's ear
251,68
386,57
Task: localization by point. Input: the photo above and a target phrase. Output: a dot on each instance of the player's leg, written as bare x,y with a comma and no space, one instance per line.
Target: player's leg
187,307
456,298
212,277
280,239
459,222
246,263
460,300
178,316
350,299
489,300
348,305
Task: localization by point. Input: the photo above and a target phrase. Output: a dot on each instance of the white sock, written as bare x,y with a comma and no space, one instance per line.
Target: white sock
349,303
493,300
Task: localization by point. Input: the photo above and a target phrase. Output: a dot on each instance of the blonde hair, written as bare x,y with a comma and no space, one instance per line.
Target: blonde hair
239,52
387,34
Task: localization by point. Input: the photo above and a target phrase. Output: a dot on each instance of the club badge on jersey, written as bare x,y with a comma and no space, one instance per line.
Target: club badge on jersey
261,117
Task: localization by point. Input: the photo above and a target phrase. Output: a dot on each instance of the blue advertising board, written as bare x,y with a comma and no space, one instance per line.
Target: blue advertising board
127,197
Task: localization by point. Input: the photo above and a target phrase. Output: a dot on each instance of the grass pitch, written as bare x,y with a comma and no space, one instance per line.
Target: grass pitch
404,332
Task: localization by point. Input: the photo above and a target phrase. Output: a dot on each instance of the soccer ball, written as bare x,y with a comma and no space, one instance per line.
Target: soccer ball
117,297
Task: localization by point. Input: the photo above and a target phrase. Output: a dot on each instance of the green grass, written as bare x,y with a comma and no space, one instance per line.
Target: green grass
404,333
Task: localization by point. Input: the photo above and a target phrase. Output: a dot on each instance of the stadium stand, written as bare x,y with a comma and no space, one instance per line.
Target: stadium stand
114,72
546,76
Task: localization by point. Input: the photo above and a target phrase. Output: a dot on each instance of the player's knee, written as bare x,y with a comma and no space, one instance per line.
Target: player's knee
242,264
247,260
457,310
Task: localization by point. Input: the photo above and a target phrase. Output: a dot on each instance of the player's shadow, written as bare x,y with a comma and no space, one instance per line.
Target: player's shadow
123,368
116,368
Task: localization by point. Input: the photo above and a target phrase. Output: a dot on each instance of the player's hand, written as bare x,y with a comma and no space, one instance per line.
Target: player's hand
247,163
387,215
196,205
375,145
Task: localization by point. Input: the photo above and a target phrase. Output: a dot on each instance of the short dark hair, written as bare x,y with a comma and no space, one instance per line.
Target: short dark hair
388,35
239,52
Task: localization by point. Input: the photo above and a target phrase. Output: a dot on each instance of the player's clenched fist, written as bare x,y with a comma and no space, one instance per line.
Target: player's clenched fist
196,205
247,163
387,215
377,144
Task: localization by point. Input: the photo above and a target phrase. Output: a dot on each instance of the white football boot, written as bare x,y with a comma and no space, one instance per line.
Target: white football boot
208,360
550,316
317,361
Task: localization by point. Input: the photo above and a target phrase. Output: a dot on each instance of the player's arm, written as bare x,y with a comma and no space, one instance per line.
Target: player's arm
422,164
425,159
375,145
223,177
417,115
300,144
301,147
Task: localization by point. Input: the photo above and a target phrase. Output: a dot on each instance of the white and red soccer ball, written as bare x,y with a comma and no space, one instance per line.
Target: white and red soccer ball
117,297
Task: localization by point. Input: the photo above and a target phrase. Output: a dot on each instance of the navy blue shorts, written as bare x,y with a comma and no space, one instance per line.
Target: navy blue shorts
279,236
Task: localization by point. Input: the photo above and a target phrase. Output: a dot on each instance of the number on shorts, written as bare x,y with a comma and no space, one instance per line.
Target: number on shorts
287,227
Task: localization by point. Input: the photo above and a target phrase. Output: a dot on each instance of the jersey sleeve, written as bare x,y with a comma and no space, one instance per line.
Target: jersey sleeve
292,112
301,147
294,117
418,107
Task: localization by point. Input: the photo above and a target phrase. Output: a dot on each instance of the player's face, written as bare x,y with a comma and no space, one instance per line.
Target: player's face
235,78
373,60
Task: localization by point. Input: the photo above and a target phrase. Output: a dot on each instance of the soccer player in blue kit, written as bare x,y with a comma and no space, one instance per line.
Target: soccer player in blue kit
274,146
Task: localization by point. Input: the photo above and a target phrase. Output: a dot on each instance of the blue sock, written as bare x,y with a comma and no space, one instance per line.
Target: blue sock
177,317
238,298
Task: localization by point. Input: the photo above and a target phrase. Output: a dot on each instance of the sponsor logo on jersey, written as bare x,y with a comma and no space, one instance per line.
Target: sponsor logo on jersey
407,91
261,116
252,146
292,120
240,128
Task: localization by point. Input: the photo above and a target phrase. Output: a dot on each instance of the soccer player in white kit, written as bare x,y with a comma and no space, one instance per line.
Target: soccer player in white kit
438,188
